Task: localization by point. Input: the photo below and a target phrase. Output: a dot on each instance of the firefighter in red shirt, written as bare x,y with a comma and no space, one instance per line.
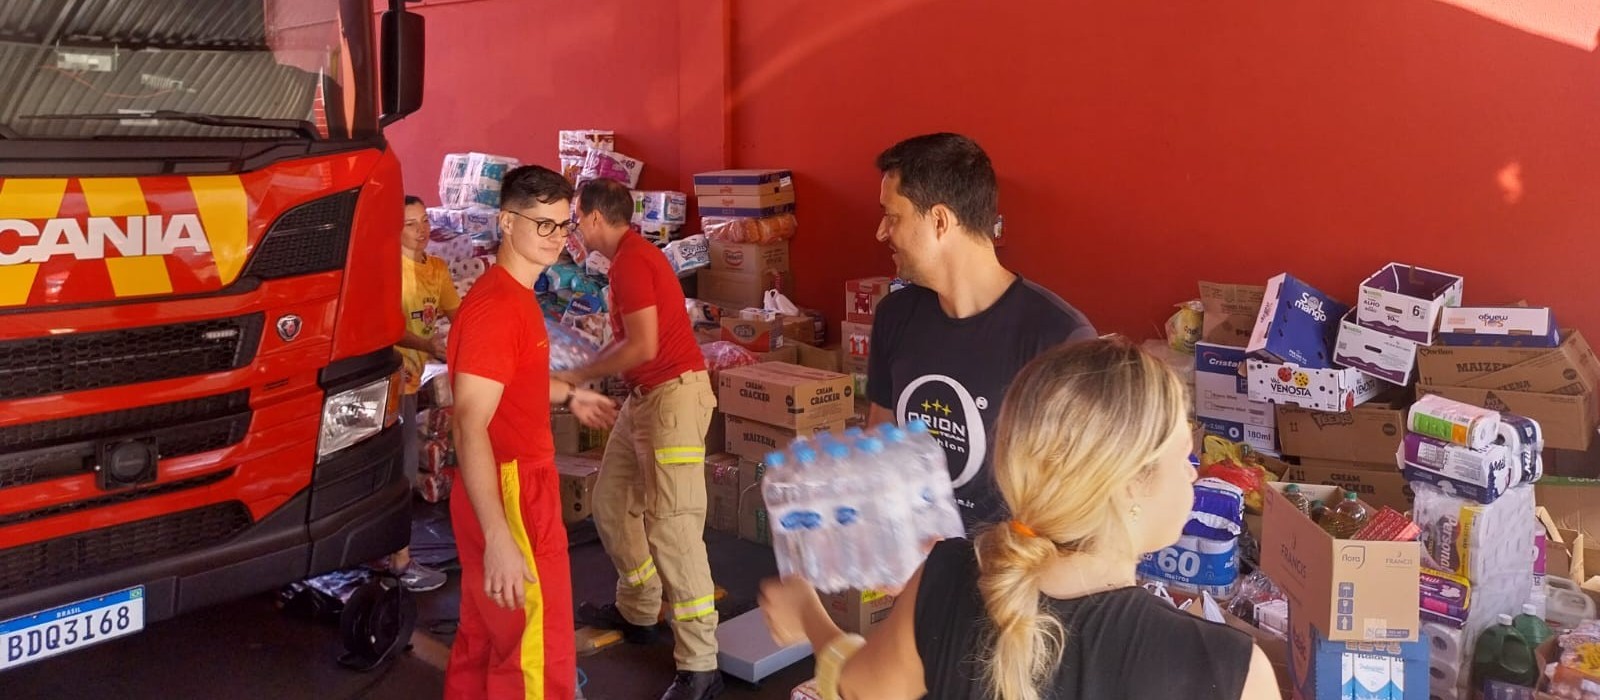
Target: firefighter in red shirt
516,634
651,493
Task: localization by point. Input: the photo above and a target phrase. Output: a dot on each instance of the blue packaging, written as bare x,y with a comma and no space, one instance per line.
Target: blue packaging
1324,670
1297,324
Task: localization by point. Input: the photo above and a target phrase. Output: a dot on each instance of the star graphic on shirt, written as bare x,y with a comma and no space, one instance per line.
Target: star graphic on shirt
946,409
926,407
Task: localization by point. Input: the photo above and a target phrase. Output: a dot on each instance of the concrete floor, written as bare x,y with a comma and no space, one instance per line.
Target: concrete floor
249,650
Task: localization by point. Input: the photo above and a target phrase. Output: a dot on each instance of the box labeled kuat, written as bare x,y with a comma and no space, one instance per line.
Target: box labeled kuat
1368,433
1407,301
784,395
1499,326
1321,389
1296,324
1387,357
1352,590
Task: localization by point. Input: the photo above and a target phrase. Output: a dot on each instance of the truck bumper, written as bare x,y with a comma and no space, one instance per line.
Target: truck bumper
357,509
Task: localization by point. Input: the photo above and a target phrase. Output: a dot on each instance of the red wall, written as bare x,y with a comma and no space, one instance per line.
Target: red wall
1142,145
503,76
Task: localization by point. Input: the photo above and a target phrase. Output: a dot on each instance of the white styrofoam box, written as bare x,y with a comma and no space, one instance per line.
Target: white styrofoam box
1331,390
1407,301
745,649
1387,357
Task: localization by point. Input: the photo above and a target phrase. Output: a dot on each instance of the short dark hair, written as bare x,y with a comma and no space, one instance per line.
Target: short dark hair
525,186
948,169
612,199
413,200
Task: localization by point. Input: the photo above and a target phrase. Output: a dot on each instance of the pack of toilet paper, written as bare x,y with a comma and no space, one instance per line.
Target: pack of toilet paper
472,178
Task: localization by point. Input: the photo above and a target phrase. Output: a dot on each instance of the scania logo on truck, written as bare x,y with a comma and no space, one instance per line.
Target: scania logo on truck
23,241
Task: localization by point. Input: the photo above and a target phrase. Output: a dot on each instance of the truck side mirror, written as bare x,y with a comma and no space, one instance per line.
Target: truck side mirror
402,63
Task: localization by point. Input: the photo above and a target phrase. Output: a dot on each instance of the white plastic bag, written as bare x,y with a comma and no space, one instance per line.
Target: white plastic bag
776,302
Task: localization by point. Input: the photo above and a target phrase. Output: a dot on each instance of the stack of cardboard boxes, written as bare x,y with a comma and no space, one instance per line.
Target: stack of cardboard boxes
741,273
765,407
861,299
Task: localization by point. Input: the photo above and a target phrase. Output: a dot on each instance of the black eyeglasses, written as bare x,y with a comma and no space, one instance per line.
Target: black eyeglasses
547,228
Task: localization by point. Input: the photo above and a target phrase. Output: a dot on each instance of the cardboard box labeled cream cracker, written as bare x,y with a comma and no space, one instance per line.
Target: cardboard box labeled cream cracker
1321,389
1407,301
1297,324
784,395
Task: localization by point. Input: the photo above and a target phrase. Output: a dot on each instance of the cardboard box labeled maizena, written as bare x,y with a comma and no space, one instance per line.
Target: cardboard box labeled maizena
788,396
754,440
1565,369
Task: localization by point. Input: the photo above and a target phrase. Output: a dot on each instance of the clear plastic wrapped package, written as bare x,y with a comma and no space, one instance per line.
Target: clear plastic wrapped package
738,230
612,166
472,178
723,355
689,254
569,349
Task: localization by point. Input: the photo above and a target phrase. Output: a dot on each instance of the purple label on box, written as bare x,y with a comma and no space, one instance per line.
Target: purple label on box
1443,600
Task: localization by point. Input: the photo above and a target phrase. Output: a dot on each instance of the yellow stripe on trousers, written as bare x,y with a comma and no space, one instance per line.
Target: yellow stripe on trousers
681,455
532,656
693,609
638,577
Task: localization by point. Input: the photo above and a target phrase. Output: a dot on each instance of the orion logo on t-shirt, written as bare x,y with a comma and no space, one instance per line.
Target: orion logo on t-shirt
953,417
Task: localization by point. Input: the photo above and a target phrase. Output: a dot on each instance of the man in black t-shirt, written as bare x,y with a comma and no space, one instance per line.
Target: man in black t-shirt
946,348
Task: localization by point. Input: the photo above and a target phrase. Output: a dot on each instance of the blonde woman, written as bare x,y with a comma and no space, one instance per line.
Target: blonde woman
1092,459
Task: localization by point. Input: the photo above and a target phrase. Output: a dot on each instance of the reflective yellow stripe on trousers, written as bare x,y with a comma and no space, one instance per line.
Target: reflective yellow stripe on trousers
697,608
639,576
681,455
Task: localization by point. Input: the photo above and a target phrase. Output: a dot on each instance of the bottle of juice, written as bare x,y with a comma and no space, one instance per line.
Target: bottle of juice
1503,654
1346,517
1301,503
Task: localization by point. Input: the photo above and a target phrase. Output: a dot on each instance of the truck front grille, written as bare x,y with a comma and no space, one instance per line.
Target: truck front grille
43,564
79,361
35,452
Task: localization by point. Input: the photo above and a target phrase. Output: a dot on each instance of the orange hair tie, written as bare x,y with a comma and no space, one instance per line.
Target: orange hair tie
1018,527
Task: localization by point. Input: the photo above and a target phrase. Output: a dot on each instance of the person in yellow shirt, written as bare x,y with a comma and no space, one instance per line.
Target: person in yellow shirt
426,293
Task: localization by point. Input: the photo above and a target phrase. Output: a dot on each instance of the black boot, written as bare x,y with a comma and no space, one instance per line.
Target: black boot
695,685
608,617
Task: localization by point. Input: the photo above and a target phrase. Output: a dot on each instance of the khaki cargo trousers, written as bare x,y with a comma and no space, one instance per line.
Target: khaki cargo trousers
650,509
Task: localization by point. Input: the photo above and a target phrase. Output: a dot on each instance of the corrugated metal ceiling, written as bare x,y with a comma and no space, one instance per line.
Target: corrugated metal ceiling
136,23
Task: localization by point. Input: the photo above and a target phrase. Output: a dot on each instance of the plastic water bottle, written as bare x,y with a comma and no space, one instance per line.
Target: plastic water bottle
943,519
796,521
889,502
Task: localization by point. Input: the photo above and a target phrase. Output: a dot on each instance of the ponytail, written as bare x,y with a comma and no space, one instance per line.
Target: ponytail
1028,638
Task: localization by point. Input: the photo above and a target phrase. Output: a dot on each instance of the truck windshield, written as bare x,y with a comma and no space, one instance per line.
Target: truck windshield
176,69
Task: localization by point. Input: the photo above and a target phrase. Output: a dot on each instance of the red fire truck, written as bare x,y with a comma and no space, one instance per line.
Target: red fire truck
199,274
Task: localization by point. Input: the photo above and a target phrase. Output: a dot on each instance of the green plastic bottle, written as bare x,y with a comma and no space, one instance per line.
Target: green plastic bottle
1533,628
1503,654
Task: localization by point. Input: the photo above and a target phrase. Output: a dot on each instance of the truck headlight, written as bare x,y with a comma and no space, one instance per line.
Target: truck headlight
354,415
